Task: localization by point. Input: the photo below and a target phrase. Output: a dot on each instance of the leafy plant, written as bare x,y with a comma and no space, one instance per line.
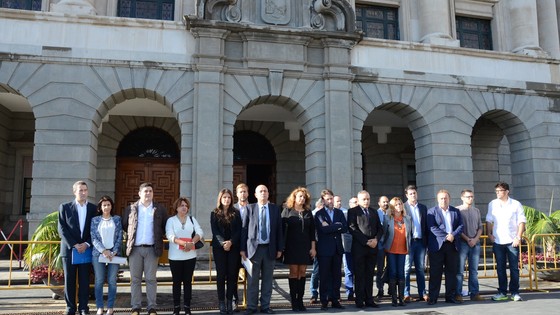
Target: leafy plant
540,223
40,257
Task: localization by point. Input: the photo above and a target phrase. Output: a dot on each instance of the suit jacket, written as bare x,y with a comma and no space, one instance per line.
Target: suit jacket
329,238
436,224
69,226
242,216
221,232
250,234
423,210
130,224
389,231
364,228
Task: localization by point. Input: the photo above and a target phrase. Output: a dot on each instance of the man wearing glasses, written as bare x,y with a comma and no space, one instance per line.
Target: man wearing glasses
506,224
469,245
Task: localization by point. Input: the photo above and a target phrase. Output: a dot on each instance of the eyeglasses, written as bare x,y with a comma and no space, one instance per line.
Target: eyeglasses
500,190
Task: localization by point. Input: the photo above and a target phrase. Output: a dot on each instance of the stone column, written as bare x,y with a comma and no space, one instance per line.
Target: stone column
338,117
548,27
208,67
524,27
435,21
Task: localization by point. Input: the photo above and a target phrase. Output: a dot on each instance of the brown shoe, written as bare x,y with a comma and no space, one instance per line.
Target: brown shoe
313,300
459,298
407,299
477,297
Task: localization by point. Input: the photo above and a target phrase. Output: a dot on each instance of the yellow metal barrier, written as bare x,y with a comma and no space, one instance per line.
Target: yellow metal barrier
543,257
18,274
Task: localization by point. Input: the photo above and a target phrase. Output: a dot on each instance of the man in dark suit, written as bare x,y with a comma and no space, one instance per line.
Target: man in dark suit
242,193
446,225
262,242
366,230
329,224
417,251
74,222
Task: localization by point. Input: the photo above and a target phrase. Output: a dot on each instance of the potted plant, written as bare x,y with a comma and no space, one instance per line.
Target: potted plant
42,258
546,249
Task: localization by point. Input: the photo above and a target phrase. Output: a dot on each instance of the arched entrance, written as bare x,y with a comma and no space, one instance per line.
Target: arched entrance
254,162
147,154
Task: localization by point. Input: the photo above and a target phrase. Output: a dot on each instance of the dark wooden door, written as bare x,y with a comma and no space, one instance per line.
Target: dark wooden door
131,172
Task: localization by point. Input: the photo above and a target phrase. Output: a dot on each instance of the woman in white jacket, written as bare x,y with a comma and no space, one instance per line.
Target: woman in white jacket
182,253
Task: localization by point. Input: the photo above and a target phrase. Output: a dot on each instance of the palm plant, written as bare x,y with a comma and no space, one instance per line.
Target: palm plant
43,257
540,223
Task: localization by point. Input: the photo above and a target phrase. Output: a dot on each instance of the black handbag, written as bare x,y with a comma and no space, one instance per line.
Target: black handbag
200,243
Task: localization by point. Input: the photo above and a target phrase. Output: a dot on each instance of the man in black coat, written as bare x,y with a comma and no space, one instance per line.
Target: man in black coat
366,230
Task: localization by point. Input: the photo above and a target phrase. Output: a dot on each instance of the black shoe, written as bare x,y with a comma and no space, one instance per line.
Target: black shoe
84,312
69,313
360,305
432,301
250,311
267,311
372,304
452,301
336,304
324,307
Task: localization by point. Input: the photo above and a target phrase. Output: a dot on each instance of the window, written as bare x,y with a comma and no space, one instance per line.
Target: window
33,5
377,21
26,195
474,33
147,9
411,174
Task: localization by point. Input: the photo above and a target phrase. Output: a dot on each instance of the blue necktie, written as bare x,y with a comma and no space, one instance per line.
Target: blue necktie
264,232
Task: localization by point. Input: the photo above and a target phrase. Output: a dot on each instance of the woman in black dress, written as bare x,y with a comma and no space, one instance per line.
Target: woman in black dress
299,248
225,222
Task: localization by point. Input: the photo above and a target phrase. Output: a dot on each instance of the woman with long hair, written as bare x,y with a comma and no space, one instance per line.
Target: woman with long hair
397,228
106,236
179,230
299,248
225,222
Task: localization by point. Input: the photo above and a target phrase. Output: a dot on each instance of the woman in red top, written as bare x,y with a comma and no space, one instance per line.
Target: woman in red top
397,228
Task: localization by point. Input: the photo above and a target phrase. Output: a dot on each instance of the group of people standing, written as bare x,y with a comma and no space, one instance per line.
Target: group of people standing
390,238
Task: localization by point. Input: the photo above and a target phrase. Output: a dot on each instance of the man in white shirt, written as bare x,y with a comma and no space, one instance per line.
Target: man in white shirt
505,225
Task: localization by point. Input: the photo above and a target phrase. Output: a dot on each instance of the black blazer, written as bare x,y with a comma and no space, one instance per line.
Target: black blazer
221,232
329,238
423,220
363,228
250,235
69,226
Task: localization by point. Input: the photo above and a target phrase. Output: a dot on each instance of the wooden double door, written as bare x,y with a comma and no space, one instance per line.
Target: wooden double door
131,172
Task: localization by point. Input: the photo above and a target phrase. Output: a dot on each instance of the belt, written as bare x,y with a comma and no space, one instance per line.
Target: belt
416,239
144,245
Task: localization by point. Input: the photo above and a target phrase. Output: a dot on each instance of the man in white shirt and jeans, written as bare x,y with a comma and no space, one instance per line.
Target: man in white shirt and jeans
505,225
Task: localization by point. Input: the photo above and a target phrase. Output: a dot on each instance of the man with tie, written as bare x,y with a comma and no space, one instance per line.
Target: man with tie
417,250
383,203
74,222
262,242
445,225
242,193
366,230
329,224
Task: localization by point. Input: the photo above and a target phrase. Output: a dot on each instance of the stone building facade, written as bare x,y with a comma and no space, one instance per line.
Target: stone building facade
282,92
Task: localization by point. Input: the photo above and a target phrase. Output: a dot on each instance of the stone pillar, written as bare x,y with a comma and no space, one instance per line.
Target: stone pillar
65,152
548,27
338,117
524,27
208,167
435,21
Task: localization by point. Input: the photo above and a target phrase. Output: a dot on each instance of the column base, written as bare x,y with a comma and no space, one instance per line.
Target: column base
82,7
440,39
533,51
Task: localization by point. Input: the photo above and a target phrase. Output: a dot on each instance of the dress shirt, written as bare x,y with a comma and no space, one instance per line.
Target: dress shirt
145,230
416,225
447,220
266,210
82,214
506,218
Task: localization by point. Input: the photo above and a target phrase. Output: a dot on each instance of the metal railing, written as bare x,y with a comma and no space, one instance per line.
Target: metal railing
543,257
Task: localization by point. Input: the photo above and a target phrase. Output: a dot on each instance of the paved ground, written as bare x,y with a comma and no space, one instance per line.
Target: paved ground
39,301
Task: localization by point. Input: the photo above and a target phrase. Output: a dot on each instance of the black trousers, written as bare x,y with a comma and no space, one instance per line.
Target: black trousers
330,277
227,270
447,258
83,271
364,266
182,273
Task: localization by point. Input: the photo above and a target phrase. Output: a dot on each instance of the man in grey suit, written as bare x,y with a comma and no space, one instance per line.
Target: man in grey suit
242,193
74,222
262,242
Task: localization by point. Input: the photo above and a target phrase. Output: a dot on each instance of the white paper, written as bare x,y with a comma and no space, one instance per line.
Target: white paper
248,265
116,260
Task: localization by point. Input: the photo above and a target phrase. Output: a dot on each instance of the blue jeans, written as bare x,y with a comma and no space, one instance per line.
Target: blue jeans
348,274
103,270
395,262
503,252
314,282
473,256
416,255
